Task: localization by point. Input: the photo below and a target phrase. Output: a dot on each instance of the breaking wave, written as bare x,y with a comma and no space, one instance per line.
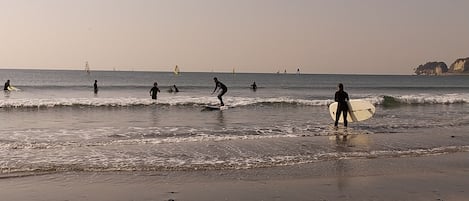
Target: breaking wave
384,100
423,99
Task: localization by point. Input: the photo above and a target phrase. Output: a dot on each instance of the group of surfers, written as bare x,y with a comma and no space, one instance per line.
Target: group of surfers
341,97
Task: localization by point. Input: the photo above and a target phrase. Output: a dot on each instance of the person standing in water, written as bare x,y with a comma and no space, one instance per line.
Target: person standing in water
341,97
154,91
254,86
222,87
95,86
7,85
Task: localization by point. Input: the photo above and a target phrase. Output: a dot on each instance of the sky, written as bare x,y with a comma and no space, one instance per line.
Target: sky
265,36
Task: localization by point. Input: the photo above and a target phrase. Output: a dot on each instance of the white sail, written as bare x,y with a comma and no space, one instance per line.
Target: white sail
176,70
87,67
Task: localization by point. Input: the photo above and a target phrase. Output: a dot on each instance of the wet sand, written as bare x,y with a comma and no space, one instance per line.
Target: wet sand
438,177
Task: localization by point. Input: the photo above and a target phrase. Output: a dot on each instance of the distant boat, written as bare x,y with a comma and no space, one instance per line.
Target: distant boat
87,68
176,70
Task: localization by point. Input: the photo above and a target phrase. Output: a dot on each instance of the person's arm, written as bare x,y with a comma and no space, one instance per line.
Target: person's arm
336,98
158,89
216,86
346,97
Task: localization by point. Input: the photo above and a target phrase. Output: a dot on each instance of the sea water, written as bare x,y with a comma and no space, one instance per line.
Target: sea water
57,123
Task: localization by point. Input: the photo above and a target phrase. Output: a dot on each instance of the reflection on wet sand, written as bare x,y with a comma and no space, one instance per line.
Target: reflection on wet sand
343,144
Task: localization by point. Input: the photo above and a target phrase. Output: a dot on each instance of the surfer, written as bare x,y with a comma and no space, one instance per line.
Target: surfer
171,90
154,90
341,97
95,86
7,85
254,86
222,87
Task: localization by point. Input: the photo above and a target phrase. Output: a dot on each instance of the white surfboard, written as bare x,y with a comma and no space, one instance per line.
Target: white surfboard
12,88
359,110
214,107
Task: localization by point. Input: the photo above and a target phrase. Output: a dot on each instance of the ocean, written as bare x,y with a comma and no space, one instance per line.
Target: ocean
55,122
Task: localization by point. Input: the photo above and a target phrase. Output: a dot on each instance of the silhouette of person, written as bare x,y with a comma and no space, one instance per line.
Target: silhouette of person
7,85
254,86
154,90
341,97
95,86
175,89
222,87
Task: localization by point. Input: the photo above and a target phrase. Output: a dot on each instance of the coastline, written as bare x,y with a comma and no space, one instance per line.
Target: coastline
435,177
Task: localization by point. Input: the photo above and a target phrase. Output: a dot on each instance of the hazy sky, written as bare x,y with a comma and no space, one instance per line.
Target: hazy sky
318,36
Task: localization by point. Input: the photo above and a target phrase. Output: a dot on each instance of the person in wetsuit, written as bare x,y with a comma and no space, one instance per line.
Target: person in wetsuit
95,86
254,86
154,90
341,97
7,85
222,87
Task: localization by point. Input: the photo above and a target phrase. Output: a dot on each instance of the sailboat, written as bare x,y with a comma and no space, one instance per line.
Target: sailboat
87,68
176,70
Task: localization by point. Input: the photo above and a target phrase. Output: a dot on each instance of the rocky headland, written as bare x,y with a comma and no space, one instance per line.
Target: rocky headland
458,67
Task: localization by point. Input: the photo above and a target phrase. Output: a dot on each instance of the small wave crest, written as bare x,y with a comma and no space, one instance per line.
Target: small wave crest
422,99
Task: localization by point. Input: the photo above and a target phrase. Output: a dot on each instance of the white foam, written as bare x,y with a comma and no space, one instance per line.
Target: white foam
232,101
430,99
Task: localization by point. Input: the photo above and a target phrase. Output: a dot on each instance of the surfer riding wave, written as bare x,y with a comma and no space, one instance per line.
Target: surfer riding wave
222,87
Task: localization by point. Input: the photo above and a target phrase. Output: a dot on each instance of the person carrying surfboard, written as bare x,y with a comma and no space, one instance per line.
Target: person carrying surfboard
222,87
341,97
154,90
7,86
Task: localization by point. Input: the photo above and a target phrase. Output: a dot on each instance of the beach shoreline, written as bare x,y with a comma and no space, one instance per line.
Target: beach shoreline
436,177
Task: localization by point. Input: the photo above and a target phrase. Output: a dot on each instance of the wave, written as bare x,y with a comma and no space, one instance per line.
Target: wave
169,101
422,99
386,101
189,162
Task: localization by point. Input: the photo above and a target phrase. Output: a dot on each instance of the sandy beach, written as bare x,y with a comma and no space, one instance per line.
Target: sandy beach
439,177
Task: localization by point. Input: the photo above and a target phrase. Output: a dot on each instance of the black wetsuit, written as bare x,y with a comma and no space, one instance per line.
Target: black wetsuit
95,88
254,86
153,92
341,97
223,88
6,86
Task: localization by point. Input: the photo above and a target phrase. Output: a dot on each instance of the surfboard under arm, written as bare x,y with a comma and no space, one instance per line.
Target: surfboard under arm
359,110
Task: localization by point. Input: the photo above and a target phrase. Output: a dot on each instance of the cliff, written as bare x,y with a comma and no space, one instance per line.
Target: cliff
460,66
432,68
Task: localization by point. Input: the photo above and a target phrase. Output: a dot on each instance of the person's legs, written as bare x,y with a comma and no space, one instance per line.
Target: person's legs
221,100
345,111
220,97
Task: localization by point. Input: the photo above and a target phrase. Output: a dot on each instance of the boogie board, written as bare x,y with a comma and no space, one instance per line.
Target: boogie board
359,110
